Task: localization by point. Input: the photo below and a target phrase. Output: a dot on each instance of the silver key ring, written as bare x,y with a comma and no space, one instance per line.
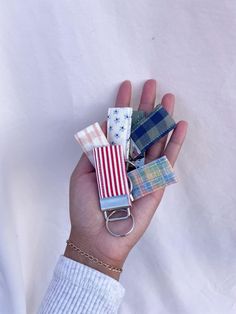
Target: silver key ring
117,234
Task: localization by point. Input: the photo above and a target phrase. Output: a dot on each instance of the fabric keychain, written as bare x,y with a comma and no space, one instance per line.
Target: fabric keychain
119,121
150,129
151,177
112,181
91,137
137,116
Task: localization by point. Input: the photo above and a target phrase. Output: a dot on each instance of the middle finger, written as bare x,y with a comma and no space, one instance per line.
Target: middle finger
148,96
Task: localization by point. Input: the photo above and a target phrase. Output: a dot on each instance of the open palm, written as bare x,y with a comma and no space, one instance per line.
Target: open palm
87,220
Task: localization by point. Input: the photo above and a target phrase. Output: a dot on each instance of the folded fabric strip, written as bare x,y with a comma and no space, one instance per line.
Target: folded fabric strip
137,116
119,127
151,177
91,137
139,162
150,129
111,176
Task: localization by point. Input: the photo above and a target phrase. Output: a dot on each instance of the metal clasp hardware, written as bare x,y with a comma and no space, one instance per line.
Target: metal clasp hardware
108,212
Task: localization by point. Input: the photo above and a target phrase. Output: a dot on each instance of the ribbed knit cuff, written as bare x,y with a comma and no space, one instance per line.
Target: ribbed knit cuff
77,288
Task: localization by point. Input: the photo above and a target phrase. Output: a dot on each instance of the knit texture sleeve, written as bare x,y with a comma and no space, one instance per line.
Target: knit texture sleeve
77,288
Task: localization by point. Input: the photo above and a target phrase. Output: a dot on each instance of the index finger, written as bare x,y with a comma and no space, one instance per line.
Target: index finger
124,95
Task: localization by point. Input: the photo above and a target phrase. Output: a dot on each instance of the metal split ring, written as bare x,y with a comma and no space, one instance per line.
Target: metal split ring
117,234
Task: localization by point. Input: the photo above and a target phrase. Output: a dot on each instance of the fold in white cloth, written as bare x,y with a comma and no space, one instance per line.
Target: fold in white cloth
77,288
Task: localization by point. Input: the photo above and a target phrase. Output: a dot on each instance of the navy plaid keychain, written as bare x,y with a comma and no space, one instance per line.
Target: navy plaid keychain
150,129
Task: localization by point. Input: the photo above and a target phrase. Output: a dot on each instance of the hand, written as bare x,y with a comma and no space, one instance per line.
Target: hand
88,229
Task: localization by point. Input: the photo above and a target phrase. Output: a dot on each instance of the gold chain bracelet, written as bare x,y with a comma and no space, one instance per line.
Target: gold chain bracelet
92,258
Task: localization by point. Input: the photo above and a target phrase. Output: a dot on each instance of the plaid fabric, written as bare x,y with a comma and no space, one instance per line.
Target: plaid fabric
119,127
91,137
151,177
151,128
139,162
137,116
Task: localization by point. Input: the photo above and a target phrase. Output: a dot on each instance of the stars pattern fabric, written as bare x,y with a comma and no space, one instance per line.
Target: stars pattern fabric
119,121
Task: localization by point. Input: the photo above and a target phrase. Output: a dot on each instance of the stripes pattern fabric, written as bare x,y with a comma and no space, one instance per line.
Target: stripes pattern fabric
91,137
110,171
151,177
150,129
119,121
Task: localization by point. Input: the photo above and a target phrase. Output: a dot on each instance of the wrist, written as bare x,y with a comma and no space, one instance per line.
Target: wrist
75,255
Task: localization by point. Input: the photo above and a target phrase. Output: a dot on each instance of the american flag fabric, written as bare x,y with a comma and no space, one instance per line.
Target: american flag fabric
151,177
91,137
111,172
151,128
119,121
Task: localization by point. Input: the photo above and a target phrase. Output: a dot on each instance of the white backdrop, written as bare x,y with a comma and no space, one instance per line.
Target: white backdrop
60,66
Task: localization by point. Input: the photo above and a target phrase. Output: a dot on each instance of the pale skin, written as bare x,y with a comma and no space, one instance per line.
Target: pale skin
87,221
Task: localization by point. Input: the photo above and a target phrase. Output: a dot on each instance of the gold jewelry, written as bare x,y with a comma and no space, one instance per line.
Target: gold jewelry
92,258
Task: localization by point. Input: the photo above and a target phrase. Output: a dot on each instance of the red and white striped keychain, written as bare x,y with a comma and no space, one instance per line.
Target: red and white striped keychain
112,181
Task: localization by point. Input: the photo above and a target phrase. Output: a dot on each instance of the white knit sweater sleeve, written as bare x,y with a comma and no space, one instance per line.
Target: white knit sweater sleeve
76,288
